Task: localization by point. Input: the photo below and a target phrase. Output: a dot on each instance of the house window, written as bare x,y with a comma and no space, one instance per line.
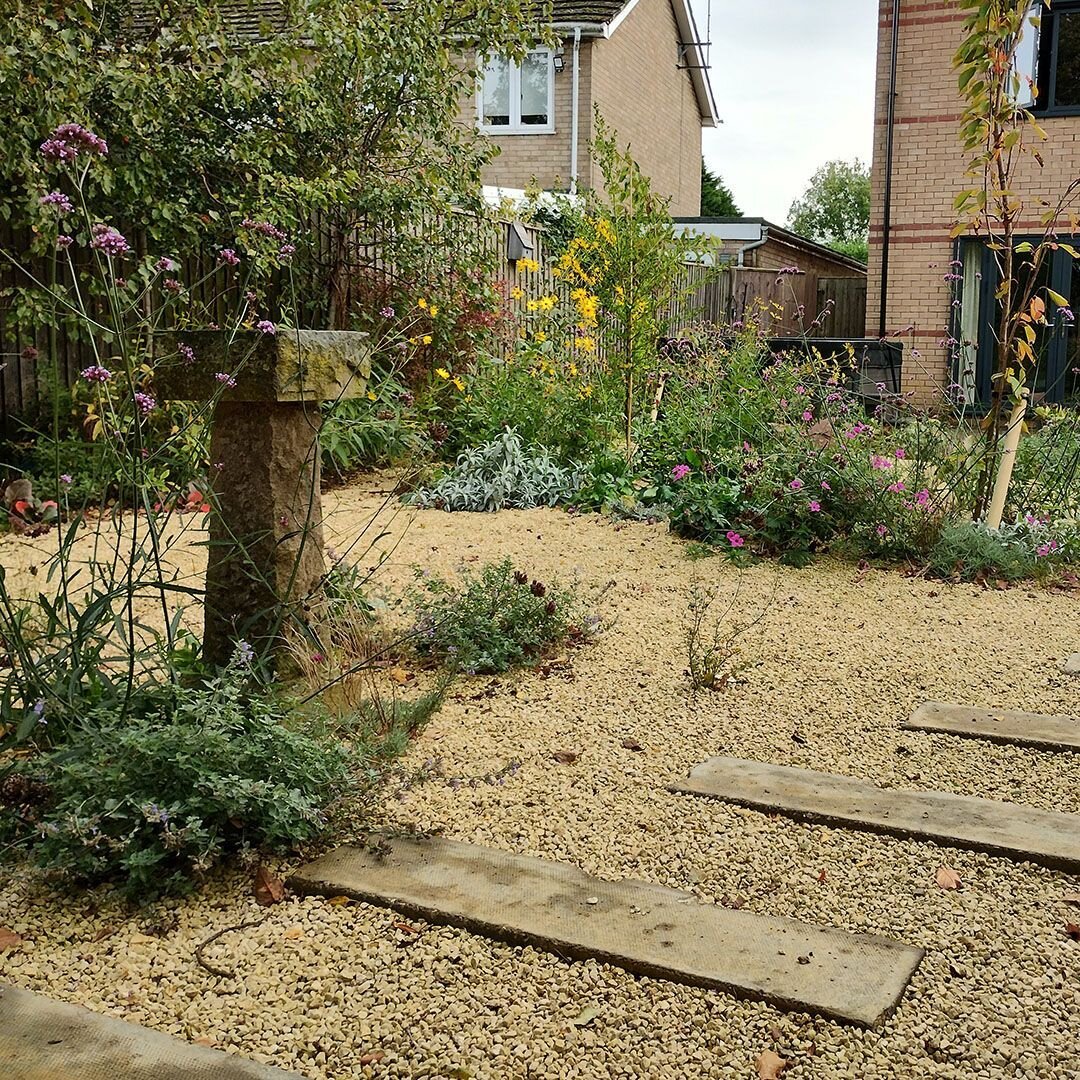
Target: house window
1056,376
518,98
1052,52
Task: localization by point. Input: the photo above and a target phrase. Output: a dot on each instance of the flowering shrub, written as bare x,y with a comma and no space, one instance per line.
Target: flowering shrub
497,619
155,799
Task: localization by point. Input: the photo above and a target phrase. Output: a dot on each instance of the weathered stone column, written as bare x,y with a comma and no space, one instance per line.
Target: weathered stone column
265,558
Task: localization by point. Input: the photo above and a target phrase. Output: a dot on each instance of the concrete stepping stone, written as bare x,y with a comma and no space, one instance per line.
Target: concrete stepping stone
997,725
998,828
41,1038
645,928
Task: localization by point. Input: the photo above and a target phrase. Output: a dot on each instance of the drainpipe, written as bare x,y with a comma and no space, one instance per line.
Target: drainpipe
886,220
574,95
750,247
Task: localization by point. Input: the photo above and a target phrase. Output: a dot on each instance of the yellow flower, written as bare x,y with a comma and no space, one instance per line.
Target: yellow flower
434,310
573,370
458,383
371,396
586,391
547,303
540,336
585,343
422,304
530,266
442,373
516,293
427,339
532,305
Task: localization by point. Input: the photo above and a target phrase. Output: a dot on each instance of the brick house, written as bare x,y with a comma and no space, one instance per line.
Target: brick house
946,318
641,62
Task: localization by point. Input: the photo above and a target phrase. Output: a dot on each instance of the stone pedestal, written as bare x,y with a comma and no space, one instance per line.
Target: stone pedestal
265,558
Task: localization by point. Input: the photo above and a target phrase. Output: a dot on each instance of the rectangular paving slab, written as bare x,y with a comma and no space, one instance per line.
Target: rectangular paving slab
999,828
42,1039
997,725
645,928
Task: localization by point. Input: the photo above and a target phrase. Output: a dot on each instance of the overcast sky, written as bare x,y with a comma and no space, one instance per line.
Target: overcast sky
794,84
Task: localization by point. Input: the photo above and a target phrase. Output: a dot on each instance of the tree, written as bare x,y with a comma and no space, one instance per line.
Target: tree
716,197
835,208
348,107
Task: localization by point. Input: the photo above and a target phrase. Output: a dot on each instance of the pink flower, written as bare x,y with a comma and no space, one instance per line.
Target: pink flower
735,540
800,389
228,257
879,462
796,484
107,240
923,497
808,416
265,326
225,379
826,486
96,373
814,506
882,532
900,454
680,472
896,488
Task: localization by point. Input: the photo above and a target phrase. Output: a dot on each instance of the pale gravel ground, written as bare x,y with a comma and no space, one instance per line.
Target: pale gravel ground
841,657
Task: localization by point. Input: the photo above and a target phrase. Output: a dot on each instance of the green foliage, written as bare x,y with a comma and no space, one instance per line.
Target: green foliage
157,798
716,197
497,619
835,208
501,474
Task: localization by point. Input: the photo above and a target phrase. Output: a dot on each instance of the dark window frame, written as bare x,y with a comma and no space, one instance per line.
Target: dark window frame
1047,59
1057,357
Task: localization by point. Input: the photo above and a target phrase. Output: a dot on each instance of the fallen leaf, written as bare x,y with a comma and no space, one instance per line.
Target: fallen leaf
9,939
565,757
1073,930
770,1065
269,888
632,744
405,928
338,901
205,1041
371,1059
399,676
587,1015
293,933
141,939
821,877
1072,898
947,878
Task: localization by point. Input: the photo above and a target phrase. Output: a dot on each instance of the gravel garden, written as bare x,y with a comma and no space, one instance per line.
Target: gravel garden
570,762
329,523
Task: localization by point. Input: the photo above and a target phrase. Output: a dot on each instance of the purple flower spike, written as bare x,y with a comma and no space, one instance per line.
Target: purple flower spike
96,373
108,241
228,257
58,199
265,326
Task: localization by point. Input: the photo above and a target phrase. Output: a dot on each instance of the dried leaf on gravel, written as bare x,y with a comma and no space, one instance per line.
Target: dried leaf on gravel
372,1059
339,901
1073,930
293,933
269,888
565,757
632,744
400,676
9,939
770,1065
1072,898
947,878
587,1015
406,928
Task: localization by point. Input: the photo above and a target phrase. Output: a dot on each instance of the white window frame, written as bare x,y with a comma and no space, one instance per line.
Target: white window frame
515,127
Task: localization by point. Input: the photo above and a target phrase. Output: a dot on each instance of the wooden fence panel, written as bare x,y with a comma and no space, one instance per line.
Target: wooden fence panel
848,317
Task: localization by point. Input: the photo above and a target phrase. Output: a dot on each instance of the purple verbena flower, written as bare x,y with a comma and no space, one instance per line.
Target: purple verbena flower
65,479
187,353
68,141
59,200
63,242
387,312
225,379
146,403
108,241
228,257
165,265
286,251
96,373
265,326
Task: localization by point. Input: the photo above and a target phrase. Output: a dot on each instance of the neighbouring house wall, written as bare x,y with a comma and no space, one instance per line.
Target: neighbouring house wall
545,159
650,102
775,253
928,172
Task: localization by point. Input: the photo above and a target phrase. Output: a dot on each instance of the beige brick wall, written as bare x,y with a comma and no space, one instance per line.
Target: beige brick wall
634,78
644,95
928,172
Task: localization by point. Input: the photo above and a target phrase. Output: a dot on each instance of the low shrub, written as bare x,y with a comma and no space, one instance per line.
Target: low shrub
501,474
156,798
1031,548
497,619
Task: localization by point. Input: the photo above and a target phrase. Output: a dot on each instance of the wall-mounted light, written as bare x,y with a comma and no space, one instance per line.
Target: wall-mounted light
558,62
